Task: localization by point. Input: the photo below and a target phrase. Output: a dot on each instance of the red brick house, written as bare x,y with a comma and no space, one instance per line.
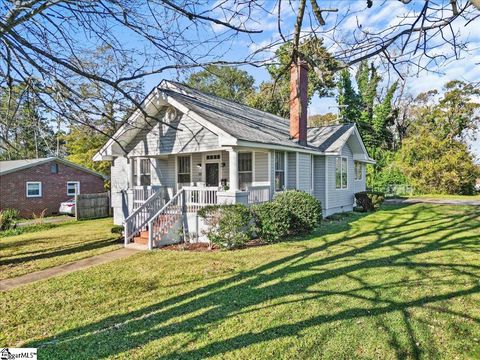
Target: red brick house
32,185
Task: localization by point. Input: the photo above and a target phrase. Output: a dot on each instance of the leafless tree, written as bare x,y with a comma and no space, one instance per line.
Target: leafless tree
49,40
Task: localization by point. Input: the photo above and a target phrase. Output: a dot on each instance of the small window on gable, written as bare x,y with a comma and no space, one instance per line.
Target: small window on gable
54,168
34,189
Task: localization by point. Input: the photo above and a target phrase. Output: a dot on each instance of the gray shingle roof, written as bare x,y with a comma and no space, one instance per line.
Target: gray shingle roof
329,138
14,165
249,124
10,166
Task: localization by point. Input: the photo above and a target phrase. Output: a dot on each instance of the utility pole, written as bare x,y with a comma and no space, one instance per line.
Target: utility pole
339,112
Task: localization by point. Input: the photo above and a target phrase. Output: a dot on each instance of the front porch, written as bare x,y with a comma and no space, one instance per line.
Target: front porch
162,207
160,219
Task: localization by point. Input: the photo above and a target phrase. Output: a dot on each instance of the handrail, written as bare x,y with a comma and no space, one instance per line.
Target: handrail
136,221
167,204
171,212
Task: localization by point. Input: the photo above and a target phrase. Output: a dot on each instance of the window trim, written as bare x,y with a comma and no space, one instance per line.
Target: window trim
141,174
275,170
177,173
252,171
135,174
358,163
39,189
78,187
341,172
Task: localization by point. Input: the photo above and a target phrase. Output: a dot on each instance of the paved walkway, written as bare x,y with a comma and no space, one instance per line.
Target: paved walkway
8,284
433,201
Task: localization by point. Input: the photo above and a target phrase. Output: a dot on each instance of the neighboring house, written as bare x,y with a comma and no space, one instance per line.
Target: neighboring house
209,150
32,185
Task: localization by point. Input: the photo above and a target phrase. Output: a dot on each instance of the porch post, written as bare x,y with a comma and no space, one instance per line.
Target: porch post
130,173
233,169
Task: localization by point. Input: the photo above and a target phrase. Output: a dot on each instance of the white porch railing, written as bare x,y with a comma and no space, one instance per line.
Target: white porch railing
198,197
141,194
258,194
161,223
137,221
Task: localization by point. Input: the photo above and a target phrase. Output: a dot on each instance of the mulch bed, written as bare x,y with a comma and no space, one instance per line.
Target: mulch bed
203,247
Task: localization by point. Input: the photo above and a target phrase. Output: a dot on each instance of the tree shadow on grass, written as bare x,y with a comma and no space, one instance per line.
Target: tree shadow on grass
303,275
49,254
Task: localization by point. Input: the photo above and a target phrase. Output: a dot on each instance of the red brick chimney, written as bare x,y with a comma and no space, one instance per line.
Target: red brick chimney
298,101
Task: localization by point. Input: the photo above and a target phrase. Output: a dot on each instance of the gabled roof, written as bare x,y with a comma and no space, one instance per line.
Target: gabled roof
242,122
329,138
10,166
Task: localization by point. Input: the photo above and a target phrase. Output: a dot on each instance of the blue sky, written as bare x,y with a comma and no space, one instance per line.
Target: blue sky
382,14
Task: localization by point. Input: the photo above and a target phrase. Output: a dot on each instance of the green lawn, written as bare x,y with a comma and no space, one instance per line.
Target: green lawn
401,283
448,197
32,251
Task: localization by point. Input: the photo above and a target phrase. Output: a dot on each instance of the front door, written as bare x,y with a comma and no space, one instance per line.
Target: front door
211,177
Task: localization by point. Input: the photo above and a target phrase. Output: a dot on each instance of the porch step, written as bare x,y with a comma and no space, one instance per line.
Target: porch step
142,238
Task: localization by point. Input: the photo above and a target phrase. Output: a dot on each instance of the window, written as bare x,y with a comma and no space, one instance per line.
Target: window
341,174
183,169
358,170
34,189
54,168
73,188
245,173
145,179
279,170
134,172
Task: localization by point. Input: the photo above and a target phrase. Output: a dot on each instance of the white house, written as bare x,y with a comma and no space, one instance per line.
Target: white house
186,149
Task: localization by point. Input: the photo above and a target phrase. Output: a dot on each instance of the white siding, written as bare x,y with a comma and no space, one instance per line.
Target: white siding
339,200
161,139
319,179
304,173
226,168
120,173
292,170
196,173
163,172
360,185
261,167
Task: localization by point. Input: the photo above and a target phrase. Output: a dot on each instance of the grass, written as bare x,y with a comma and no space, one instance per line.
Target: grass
449,197
26,229
50,245
399,283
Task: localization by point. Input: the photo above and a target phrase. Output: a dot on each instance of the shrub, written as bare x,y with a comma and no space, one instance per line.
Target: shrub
369,200
271,221
117,229
303,209
291,212
229,226
8,219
